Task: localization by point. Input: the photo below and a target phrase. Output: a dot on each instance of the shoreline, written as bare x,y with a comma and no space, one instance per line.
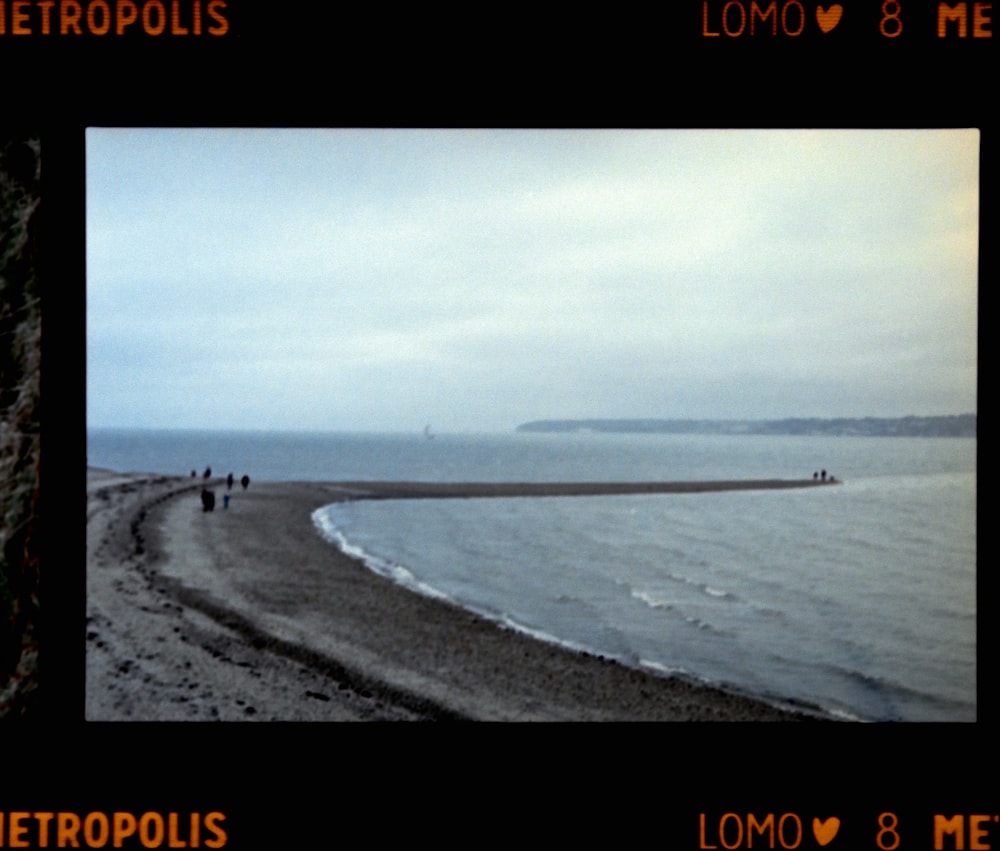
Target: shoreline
249,613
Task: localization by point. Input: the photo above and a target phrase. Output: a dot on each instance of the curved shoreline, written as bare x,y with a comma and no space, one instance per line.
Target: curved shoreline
248,613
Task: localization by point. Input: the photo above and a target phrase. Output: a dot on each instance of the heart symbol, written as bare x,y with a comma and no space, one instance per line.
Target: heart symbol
829,18
824,831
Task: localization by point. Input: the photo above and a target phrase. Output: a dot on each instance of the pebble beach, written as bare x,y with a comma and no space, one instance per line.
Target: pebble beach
246,613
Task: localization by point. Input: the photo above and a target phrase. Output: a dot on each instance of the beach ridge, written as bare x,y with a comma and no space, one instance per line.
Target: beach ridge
248,613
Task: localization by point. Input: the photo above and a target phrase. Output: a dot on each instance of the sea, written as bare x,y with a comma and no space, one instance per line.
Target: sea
857,598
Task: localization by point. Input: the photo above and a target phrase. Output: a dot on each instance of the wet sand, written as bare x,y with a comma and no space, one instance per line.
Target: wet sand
247,613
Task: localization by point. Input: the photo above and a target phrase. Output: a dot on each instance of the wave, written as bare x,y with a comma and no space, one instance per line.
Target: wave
761,597
383,567
863,697
396,572
658,600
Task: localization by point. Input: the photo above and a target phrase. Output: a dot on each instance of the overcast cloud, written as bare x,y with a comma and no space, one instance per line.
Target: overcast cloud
384,279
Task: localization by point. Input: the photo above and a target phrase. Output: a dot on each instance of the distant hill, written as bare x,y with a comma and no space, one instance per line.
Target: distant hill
961,425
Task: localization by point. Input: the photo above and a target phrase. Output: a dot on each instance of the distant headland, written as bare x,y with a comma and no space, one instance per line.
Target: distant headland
960,425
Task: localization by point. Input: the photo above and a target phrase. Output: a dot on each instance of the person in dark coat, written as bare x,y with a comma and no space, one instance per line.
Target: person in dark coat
207,474
245,481
207,500
229,482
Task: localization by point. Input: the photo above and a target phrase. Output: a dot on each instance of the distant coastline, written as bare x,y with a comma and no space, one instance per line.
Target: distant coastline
960,425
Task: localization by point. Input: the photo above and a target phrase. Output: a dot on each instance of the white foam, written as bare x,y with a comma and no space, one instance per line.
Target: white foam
383,567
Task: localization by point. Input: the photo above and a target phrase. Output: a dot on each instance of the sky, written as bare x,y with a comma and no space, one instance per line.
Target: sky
386,279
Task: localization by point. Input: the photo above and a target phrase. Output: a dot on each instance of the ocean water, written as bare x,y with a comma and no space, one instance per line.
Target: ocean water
859,598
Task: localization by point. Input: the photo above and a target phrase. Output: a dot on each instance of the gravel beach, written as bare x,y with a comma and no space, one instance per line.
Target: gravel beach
246,613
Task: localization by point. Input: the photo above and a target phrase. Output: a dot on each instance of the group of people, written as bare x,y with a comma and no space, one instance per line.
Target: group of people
208,496
821,476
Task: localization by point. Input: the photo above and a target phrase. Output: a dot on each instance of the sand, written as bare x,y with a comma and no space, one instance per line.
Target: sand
247,613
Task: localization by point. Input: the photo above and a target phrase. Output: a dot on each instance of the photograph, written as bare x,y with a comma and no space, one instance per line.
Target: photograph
658,425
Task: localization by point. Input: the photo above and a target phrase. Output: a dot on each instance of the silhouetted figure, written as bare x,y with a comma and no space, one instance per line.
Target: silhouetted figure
245,481
225,500
815,476
207,500
229,481
193,474
207,474
822,475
